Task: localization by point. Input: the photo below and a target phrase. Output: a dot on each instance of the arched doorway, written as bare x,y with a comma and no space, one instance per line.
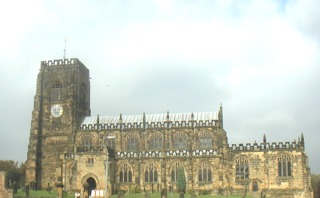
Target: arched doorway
255,186
89,185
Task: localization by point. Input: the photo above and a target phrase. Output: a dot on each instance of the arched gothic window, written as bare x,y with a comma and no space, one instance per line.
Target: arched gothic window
204,173
132,142
125,173
205,140
242,168
109,142
284,166
56,91
156,141
174,172
87,142
180,140
151,173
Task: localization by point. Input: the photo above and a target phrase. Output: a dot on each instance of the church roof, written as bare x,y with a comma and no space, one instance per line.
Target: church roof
155,118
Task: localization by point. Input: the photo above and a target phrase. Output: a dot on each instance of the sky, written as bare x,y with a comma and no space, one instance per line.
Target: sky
259,59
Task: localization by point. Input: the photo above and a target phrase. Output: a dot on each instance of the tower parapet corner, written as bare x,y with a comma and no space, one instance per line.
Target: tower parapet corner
60,62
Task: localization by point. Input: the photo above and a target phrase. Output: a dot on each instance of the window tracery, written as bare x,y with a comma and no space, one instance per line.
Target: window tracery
205,140
174,171
151,173
87,142
284,166
125,173
180,140
204,173
156,141
132,142
242,168
109,142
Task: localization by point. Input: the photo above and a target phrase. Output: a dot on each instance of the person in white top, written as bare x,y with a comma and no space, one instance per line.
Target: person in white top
77,195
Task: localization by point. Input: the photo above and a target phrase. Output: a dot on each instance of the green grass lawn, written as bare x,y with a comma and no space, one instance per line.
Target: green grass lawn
38,193
53,194
176,195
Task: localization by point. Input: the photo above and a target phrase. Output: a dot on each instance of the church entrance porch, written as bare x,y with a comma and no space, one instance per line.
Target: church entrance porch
88,186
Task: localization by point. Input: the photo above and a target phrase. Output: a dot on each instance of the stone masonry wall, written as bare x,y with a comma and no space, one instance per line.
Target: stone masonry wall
4,193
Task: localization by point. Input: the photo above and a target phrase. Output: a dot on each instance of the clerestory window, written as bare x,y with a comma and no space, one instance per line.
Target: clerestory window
180,140
132,142
205,140
156,141
109,142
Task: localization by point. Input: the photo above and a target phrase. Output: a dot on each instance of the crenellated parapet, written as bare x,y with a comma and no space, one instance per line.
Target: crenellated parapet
147,154
170,153
147,125
268,146
121,123
61,62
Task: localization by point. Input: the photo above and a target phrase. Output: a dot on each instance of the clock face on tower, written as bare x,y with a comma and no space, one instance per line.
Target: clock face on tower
56,110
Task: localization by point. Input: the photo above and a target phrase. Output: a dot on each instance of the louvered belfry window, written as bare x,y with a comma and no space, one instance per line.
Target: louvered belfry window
56,91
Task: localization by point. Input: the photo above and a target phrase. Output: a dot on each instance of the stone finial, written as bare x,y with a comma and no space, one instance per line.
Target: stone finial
120,119
302,141
144,121
220,115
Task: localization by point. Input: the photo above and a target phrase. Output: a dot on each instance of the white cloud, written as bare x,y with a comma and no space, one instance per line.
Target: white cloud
17,19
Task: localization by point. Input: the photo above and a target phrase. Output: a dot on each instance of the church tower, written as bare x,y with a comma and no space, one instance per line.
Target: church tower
62,100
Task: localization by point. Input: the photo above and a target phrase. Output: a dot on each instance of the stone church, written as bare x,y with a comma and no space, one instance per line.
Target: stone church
137,153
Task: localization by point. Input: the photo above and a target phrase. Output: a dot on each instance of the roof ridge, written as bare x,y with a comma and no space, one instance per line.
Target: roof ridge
174,117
